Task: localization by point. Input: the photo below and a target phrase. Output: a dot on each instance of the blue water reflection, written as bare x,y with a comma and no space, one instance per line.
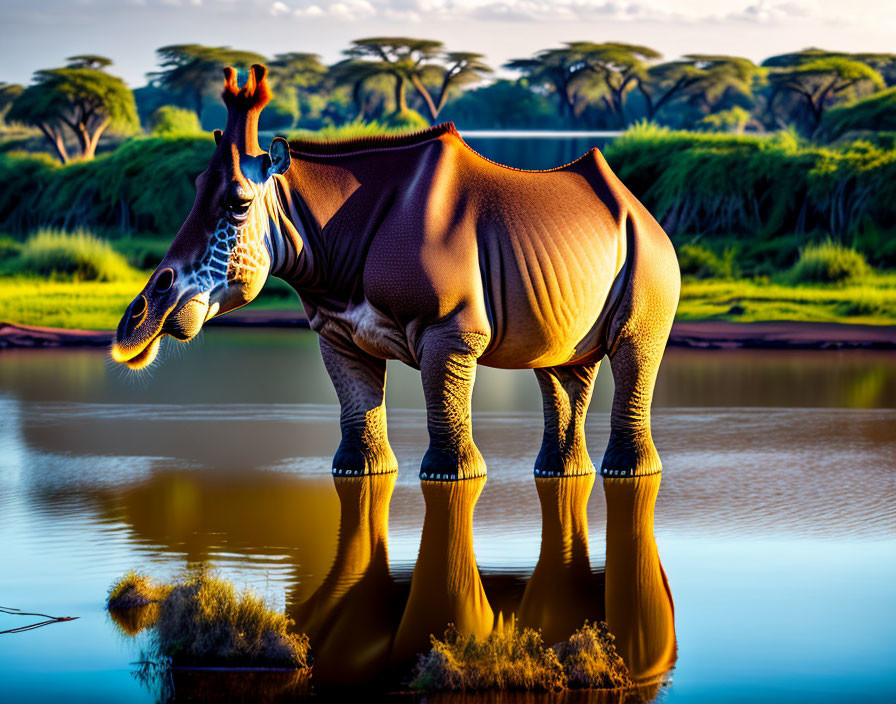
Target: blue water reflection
774,522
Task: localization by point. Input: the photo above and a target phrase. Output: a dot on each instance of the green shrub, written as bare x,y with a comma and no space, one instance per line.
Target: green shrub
78,254
756,186
511,658
145,185
9,248
348,131
172,121
734,119
829,262
406,120
876,112
697,260
143,252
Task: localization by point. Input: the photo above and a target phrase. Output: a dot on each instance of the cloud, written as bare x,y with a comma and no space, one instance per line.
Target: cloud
416,11
766,11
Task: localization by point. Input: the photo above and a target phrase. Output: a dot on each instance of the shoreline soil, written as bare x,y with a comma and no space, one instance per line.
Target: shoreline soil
704,334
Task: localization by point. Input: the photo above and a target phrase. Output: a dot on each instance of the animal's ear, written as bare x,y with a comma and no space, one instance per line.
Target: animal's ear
218,134
279,157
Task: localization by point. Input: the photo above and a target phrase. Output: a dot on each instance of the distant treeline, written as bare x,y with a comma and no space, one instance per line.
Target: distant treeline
765,196
402,81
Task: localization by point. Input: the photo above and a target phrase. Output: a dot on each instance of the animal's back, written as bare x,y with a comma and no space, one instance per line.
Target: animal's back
551,244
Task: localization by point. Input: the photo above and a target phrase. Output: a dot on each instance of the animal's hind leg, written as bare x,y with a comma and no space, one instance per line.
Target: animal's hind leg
360,382
635,361
566,393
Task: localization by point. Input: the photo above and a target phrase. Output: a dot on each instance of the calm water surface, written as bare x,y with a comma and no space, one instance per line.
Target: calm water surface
775,520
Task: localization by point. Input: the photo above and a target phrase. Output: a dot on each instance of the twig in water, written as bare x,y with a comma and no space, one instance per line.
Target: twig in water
21,629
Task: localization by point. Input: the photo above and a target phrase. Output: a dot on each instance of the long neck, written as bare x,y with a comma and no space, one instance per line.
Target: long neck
328,215
295,235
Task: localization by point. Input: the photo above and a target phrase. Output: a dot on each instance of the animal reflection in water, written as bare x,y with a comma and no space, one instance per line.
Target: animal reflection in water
358,628
366,624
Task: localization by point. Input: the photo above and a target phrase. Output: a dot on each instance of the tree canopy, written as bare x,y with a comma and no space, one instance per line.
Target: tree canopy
423,63
820,79
85,101
193,70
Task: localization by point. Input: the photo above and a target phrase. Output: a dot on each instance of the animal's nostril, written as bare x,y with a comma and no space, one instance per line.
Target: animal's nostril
165,280
139,307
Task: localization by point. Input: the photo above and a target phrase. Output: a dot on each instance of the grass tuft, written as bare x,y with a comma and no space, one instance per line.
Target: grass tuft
78,255
829,262
204,620
512,658
135,590
590,661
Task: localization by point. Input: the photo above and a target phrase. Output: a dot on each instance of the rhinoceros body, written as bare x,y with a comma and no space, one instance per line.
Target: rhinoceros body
417,248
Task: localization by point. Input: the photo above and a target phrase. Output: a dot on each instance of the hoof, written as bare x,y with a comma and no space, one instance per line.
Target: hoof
573,472
623,473
445,466
352,462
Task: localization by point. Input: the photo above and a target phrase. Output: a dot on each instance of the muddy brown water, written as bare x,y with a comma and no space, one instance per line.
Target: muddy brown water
775,519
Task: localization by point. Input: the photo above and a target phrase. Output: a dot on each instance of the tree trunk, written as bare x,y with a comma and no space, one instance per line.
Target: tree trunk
57,141
401,103
427,98
90,152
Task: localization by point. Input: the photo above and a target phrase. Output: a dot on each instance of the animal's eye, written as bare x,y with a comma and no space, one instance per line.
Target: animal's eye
238,207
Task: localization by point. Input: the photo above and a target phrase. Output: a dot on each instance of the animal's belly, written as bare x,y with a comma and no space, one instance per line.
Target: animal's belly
370,330
531,341
547,309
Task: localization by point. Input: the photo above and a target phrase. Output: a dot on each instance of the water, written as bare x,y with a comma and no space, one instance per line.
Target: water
535,150
775,520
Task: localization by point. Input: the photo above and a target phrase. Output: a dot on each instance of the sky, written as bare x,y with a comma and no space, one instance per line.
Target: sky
42,33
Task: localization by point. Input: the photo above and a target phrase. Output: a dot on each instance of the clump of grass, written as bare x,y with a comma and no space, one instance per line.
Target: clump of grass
697,260
513,658
135,590
204,620
133,602
829,262
509,658
590,661
78,255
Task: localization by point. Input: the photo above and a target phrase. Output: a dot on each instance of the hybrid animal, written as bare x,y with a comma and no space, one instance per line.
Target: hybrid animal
417,248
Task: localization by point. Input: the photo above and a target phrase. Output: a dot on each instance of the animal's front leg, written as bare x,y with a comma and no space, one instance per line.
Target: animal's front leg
360,382
448,370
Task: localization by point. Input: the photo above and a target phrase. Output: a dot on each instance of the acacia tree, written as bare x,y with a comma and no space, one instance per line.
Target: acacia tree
83,100
402,58
356,75
294,77
9,92
558,71
194,71
619,65
819,79
451,69
700,76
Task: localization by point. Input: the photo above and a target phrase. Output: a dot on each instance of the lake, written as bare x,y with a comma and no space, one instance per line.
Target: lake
775,519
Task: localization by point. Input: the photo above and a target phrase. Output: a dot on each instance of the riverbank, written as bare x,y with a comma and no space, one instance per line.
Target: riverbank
99,305
705,334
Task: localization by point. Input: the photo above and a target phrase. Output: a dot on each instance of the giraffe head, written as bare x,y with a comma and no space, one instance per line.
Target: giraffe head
222,255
